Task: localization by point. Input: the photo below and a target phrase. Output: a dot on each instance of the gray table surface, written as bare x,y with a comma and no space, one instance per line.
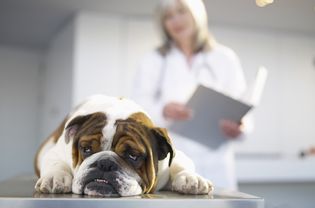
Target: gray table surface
19,192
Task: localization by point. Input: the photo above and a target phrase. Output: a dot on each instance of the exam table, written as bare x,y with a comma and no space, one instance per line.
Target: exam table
19,192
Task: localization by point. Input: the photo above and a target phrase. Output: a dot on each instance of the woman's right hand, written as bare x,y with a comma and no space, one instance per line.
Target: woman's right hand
177,111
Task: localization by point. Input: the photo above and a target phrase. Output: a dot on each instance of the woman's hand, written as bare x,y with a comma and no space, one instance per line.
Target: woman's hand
176,111
230,129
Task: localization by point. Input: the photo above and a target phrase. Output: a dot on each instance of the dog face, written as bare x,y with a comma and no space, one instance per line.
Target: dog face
114,156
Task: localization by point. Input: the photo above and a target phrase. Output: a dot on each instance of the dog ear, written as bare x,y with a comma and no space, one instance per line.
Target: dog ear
164,144
73,126
88,124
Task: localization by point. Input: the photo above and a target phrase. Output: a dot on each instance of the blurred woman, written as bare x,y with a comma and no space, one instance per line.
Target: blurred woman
190,56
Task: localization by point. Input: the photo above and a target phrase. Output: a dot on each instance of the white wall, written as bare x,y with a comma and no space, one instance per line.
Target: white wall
36,90
19,72
142,37
56,88
285,116
99,56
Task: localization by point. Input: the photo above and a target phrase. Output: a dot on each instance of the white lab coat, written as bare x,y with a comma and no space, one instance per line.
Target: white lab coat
176,79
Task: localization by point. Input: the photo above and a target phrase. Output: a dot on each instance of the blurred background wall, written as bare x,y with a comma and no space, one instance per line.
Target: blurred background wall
55,53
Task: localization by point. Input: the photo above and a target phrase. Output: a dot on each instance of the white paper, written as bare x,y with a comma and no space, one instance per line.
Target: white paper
209,107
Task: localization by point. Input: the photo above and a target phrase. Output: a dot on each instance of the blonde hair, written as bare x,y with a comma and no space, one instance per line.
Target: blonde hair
203,39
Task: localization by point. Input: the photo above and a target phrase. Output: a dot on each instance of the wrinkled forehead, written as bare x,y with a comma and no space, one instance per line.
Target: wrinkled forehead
131,131
114,108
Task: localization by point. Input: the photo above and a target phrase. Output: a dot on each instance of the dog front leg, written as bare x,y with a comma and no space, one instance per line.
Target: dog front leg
55,176
184,179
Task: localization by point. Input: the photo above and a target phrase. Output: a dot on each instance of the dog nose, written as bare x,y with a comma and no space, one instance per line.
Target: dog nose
107,165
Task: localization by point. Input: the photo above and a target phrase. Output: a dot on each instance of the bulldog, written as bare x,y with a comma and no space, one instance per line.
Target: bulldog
109,146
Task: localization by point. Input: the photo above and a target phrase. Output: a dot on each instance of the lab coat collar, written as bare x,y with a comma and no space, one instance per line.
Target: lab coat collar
197,59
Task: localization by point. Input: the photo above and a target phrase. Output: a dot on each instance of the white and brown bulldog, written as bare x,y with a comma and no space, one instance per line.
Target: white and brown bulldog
109,147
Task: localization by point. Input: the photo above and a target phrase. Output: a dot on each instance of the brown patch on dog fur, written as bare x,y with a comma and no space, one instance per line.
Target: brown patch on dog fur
88,127
89,141
142,118
131,134
138,133
52,138
158,132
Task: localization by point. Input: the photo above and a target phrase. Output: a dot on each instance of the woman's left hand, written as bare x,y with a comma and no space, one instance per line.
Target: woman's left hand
230,129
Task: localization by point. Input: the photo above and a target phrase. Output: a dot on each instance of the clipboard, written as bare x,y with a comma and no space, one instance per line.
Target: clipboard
209,107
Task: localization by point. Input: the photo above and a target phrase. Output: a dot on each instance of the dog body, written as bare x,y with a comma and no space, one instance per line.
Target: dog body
109,147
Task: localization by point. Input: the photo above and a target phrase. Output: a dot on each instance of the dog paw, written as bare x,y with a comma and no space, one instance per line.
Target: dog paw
186,182
56,182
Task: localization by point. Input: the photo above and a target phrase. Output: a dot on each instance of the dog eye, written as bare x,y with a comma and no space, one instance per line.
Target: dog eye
86,151
133,157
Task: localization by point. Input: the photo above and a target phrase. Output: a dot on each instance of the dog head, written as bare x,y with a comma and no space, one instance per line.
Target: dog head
115,149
